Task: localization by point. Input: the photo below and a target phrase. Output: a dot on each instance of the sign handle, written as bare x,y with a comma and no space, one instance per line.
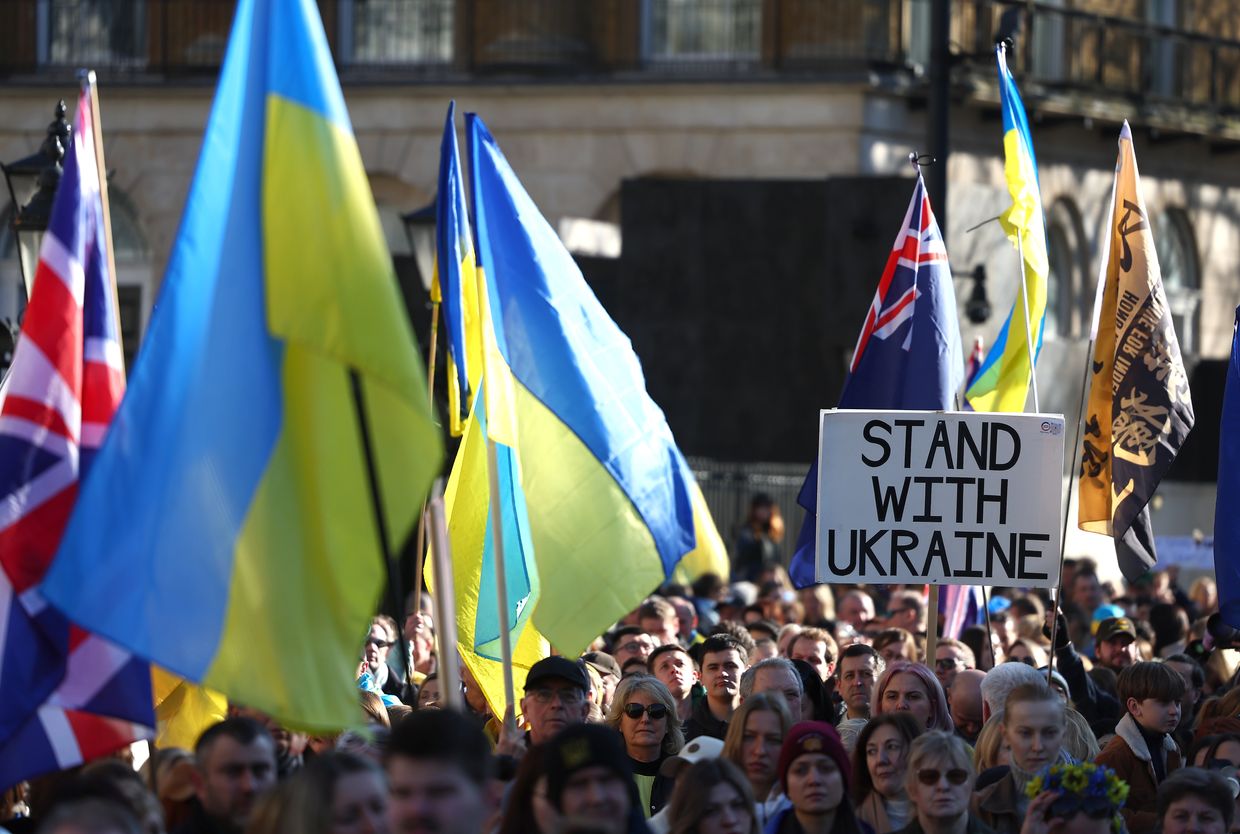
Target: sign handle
932,625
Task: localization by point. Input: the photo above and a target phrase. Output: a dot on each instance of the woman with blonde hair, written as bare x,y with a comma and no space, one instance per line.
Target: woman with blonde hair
991,750
755,735
643,711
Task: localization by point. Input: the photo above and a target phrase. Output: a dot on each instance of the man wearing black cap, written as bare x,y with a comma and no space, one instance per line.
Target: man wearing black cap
590,778
1094,703
1116,644
555,698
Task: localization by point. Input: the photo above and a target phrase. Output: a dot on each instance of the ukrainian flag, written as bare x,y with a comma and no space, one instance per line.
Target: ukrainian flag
612,505
454,282
1002,383
227,528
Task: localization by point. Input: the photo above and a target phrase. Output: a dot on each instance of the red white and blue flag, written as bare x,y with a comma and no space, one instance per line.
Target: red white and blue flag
908,355
66,695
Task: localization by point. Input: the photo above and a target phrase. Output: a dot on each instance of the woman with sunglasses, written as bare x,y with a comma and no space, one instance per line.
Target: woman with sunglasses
814,771
1033,727
643,711
939,781
880,761
912,687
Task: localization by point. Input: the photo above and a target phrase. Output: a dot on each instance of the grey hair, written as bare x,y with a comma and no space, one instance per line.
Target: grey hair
1001,680
747,679
674,739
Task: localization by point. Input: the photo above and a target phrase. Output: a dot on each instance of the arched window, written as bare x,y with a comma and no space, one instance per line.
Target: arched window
1066,285
1181,274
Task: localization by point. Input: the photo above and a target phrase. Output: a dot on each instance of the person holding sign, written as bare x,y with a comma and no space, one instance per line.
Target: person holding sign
913,687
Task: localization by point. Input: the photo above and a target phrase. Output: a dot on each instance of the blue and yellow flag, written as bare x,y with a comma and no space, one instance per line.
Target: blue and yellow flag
612,505
1002,383
454,282
227,527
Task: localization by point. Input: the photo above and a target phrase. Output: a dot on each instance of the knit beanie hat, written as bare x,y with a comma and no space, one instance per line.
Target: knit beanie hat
813,737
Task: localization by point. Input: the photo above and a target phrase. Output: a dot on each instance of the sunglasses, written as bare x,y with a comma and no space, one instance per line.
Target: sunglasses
1094,807
636,711
383,644
931,776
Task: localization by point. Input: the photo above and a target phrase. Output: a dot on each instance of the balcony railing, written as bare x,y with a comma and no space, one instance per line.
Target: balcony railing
1195,63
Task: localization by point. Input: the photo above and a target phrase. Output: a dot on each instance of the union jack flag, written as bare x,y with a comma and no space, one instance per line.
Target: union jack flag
65,695
908,355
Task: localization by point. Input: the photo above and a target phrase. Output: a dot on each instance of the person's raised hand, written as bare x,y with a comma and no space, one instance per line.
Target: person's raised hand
1038,819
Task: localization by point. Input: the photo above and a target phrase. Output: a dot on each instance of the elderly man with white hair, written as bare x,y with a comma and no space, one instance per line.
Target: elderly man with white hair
1001,680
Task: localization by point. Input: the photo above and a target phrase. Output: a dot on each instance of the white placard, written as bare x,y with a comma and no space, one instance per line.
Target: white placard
957,498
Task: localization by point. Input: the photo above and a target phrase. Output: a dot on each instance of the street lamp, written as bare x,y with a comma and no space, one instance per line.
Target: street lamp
32,184
420,227
978,306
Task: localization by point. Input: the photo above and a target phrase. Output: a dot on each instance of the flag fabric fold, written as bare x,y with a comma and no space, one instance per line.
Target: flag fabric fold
1002,382
1139,409
1226,518
611,500
908,355
228,526
455,284
67,695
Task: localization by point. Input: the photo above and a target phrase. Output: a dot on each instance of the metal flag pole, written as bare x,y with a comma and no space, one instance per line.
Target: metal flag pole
445,600
1104,264
501,585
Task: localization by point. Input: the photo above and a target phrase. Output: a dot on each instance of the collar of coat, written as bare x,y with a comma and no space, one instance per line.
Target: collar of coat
1128,730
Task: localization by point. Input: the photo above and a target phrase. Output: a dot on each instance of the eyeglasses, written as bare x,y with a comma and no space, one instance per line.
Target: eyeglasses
655,711
931,776
565,696
946,663
383,644
633,646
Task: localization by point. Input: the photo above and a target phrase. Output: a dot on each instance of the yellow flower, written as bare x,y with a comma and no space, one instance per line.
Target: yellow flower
1075,780
1034,787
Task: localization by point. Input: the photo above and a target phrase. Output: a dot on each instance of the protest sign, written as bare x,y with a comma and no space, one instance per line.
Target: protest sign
957,498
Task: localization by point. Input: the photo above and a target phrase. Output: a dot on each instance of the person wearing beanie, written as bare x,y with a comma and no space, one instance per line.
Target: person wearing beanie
814,770
590,778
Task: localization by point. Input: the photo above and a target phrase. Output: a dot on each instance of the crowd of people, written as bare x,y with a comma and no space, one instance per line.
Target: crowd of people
737,707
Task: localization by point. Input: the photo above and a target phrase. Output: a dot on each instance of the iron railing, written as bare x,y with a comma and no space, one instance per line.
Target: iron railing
729,487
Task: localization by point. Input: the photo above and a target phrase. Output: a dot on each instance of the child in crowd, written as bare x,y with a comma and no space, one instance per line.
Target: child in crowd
1142,753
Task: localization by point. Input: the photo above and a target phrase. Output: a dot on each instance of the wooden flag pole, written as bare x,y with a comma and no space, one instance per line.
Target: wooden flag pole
990,637
932,625
87,79
501,585
445,601
420,553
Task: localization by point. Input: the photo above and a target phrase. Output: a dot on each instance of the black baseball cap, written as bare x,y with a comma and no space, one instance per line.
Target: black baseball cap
556,667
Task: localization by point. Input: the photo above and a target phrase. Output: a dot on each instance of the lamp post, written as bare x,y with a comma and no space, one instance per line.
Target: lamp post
32,184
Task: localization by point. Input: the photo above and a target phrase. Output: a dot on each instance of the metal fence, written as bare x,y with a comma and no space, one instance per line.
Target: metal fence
730,487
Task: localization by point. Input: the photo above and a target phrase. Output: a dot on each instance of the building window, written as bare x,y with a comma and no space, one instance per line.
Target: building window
1181,274
92,32
703,30
396,31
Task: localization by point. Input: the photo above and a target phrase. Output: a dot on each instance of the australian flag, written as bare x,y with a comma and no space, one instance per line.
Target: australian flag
66,696
908,355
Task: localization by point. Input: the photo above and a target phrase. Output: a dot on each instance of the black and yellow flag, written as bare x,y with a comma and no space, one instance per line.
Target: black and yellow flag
1139,408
